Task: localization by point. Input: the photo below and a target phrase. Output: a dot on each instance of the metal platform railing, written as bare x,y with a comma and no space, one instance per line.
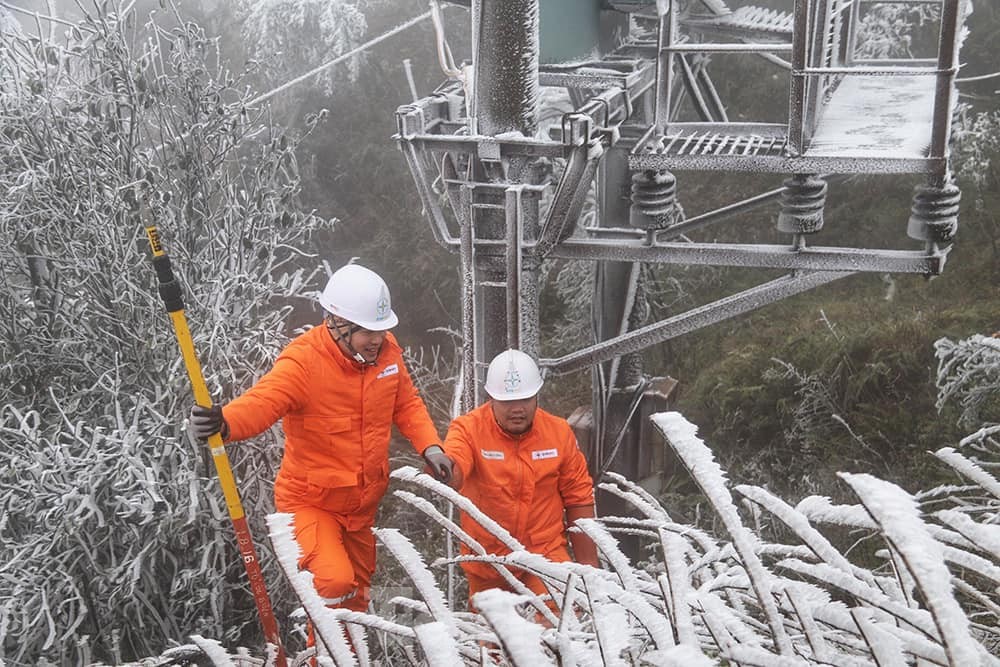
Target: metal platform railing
907,117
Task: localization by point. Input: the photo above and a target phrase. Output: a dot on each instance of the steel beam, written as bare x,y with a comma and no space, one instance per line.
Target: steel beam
692,320
810,258
780,164
513,214
570,196
467,263
439,226
799,84
944,94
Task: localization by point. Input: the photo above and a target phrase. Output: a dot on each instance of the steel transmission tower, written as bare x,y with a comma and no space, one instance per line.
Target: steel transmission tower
646,108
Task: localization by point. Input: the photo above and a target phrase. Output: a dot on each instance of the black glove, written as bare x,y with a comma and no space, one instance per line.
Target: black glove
439,464
208,421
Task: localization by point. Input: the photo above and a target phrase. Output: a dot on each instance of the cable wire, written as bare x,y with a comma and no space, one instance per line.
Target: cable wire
316,70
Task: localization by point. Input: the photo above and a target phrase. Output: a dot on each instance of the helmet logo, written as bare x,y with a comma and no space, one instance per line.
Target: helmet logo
382,306
512,380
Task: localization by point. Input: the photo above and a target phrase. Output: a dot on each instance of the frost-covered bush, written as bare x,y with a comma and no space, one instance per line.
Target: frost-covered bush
114,538
969,374
888,30
977,147
290,37
736,598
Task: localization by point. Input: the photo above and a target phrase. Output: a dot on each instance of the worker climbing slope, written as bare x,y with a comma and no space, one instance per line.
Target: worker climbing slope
521,466
337,388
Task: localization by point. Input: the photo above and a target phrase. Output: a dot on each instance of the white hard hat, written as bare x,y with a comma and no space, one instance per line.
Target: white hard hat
360,296
512,376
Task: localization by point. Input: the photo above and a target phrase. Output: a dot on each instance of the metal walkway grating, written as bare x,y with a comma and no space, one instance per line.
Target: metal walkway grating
886,130
707,142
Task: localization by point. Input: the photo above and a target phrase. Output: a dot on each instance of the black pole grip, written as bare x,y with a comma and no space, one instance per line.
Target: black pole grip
169,288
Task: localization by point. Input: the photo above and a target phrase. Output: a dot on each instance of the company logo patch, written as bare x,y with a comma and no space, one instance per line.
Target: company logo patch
391,369
511,381
492,454
382,306
544,454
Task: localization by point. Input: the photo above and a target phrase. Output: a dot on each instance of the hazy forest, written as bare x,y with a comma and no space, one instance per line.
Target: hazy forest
115,546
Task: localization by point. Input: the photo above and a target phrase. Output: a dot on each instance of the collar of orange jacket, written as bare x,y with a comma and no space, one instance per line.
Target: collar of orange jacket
330,345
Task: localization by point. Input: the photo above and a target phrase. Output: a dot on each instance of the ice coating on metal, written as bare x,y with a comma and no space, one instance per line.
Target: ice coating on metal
877,116
694,319
506,67
846,115
529,325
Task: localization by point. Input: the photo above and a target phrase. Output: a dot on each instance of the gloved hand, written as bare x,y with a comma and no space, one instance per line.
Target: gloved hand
438,464
207,421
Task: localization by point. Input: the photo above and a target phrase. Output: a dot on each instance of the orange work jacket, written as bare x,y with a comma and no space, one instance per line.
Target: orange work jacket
337,416
524,482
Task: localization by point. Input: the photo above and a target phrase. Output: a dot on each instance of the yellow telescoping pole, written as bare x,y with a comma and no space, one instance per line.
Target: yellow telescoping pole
170,292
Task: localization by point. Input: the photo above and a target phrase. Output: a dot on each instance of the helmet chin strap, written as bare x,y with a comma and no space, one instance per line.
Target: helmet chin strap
336,330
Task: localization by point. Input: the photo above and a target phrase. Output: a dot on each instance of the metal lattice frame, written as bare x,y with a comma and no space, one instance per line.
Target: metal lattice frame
626,125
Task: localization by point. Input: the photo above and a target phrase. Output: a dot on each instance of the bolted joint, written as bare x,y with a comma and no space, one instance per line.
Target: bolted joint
654,200
934,213
802,205
410,121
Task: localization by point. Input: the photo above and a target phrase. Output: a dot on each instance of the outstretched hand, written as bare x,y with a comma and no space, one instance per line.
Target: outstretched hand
438,464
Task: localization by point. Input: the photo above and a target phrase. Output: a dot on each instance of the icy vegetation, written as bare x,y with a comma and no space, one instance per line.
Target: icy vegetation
969,374
924,591
293,36
114,542
113,539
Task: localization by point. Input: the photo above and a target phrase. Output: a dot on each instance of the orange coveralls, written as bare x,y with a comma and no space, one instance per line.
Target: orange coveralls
525,483
337,417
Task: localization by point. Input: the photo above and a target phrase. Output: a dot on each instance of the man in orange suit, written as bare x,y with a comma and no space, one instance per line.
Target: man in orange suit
522,467
337,388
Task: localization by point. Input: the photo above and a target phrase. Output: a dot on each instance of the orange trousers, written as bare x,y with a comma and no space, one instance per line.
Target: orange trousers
481,580
341,561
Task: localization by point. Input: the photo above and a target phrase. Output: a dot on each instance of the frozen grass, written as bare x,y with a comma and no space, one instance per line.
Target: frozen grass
706,599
